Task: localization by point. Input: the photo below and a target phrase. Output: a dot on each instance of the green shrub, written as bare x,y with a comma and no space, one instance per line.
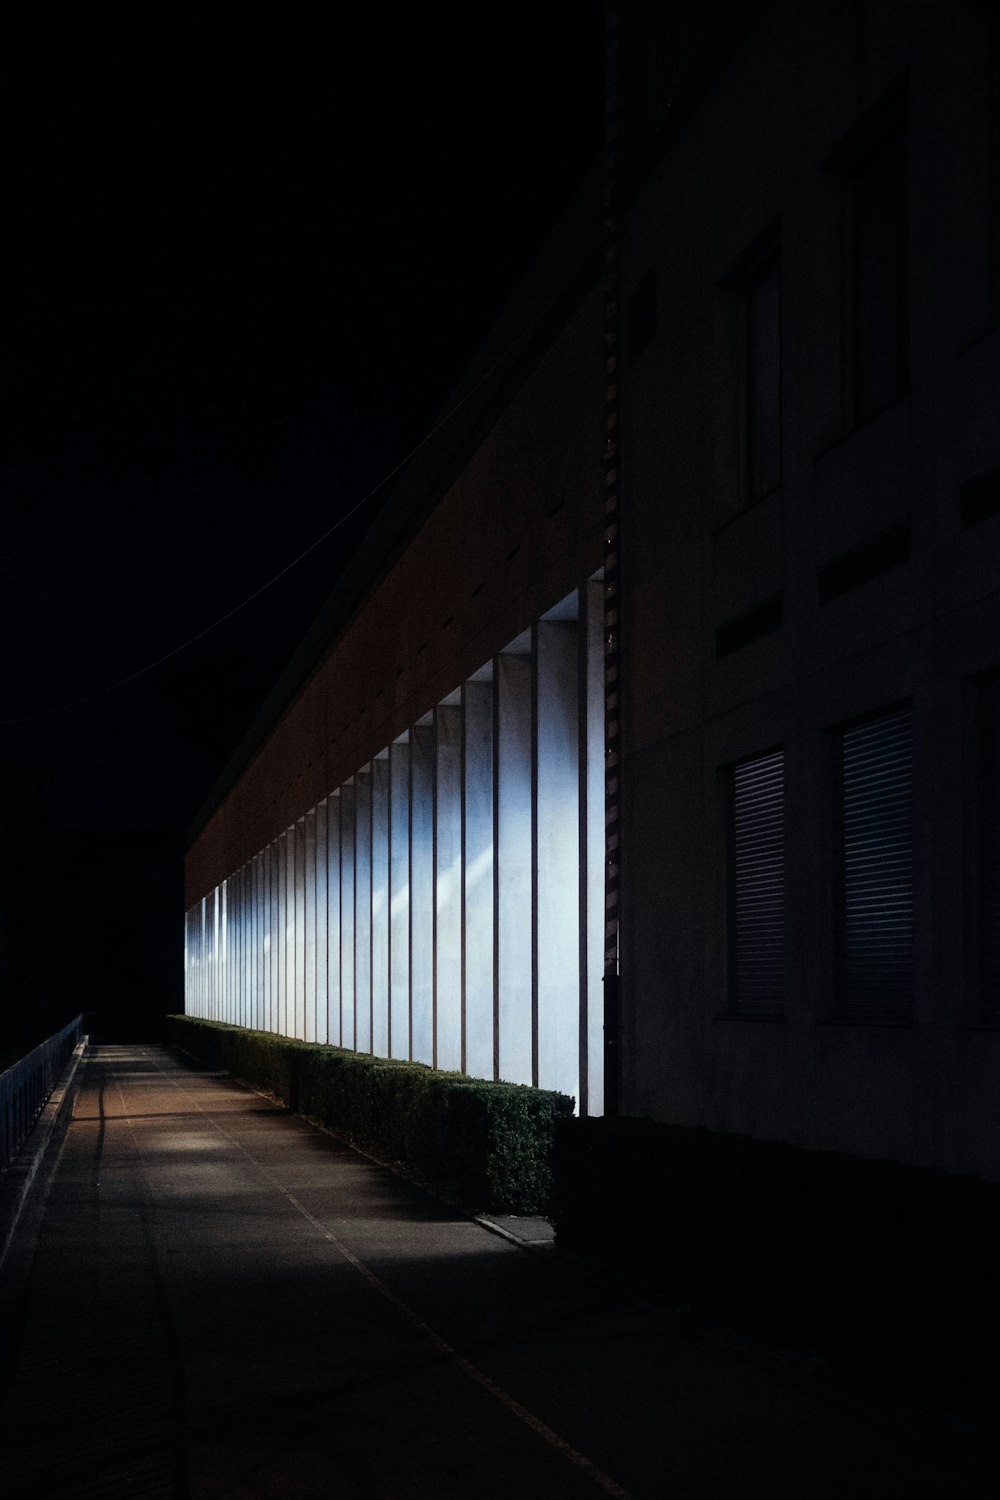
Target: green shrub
488,1145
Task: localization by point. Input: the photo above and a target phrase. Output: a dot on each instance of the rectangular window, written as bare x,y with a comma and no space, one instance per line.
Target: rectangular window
987,843
742,630
757,885
762,375
879,310
874,874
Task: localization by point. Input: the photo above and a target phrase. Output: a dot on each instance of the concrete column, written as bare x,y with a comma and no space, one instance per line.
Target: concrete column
238,990
264,929
348,1026
477,874
214,1008
276,936
220,969
246,987
255,942
299,927
210,930
363,909
380,905
399,897
236,950
252,1005
308,827
227,946
592,852
557,855
187,963
270,940
421,884
264,936
514,868
448,886
231,946
204,982
283,1009
321,928
210,967
191,935
199,950
331,940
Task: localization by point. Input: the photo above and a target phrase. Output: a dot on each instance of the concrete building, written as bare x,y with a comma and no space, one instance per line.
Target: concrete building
808,216
683,634
406,857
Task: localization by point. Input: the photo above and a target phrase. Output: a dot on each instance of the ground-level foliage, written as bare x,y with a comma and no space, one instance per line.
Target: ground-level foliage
487,1145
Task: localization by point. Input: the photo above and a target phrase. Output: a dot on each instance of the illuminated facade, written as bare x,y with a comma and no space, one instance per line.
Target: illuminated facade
445,903
409,859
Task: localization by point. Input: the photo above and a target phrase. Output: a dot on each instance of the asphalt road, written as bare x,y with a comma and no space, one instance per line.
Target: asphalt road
210,1297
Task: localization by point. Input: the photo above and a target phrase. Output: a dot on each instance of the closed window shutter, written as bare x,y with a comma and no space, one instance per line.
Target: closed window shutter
758,885
988,847
875,936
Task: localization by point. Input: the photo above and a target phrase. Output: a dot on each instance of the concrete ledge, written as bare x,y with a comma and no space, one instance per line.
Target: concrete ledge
15,1183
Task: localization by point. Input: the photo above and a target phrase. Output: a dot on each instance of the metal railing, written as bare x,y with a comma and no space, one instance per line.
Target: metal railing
27,1084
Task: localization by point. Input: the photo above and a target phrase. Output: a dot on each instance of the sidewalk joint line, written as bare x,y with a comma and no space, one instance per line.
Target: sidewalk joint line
505,1399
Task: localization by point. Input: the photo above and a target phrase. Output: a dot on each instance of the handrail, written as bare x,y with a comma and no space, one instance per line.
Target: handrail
26,1085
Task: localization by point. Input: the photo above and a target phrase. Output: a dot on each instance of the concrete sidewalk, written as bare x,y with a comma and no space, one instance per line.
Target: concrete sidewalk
208,1296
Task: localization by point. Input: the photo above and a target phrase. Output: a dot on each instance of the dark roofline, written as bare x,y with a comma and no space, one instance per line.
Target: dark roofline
557,280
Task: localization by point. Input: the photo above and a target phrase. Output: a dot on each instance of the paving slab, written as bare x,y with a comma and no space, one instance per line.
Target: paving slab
212,1297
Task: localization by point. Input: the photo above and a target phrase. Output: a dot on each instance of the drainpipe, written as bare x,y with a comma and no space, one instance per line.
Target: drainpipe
612,621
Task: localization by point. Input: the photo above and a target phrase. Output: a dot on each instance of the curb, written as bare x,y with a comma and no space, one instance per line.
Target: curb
15,1183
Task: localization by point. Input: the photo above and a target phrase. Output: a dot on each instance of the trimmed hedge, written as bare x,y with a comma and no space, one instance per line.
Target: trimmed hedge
488,1145
889,1272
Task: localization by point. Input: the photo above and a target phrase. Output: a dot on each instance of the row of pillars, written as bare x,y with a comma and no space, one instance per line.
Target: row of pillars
446,903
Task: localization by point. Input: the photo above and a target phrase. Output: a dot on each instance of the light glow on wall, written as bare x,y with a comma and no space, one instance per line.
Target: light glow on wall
446,903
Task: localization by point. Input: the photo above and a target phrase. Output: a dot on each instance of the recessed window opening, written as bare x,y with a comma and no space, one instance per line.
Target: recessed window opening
757,885
986,793
873,913
859,565
743,629
980,497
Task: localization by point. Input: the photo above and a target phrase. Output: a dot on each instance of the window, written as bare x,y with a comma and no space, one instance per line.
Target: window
874,868
859,565
987,841
757,885
742,630
762,378
879,312
979,498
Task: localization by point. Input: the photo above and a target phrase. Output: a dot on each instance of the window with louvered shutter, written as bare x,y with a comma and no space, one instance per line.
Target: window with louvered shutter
875,874
988,846
757,885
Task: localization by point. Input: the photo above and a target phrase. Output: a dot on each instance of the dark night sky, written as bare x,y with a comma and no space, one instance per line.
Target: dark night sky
240,295
240,292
